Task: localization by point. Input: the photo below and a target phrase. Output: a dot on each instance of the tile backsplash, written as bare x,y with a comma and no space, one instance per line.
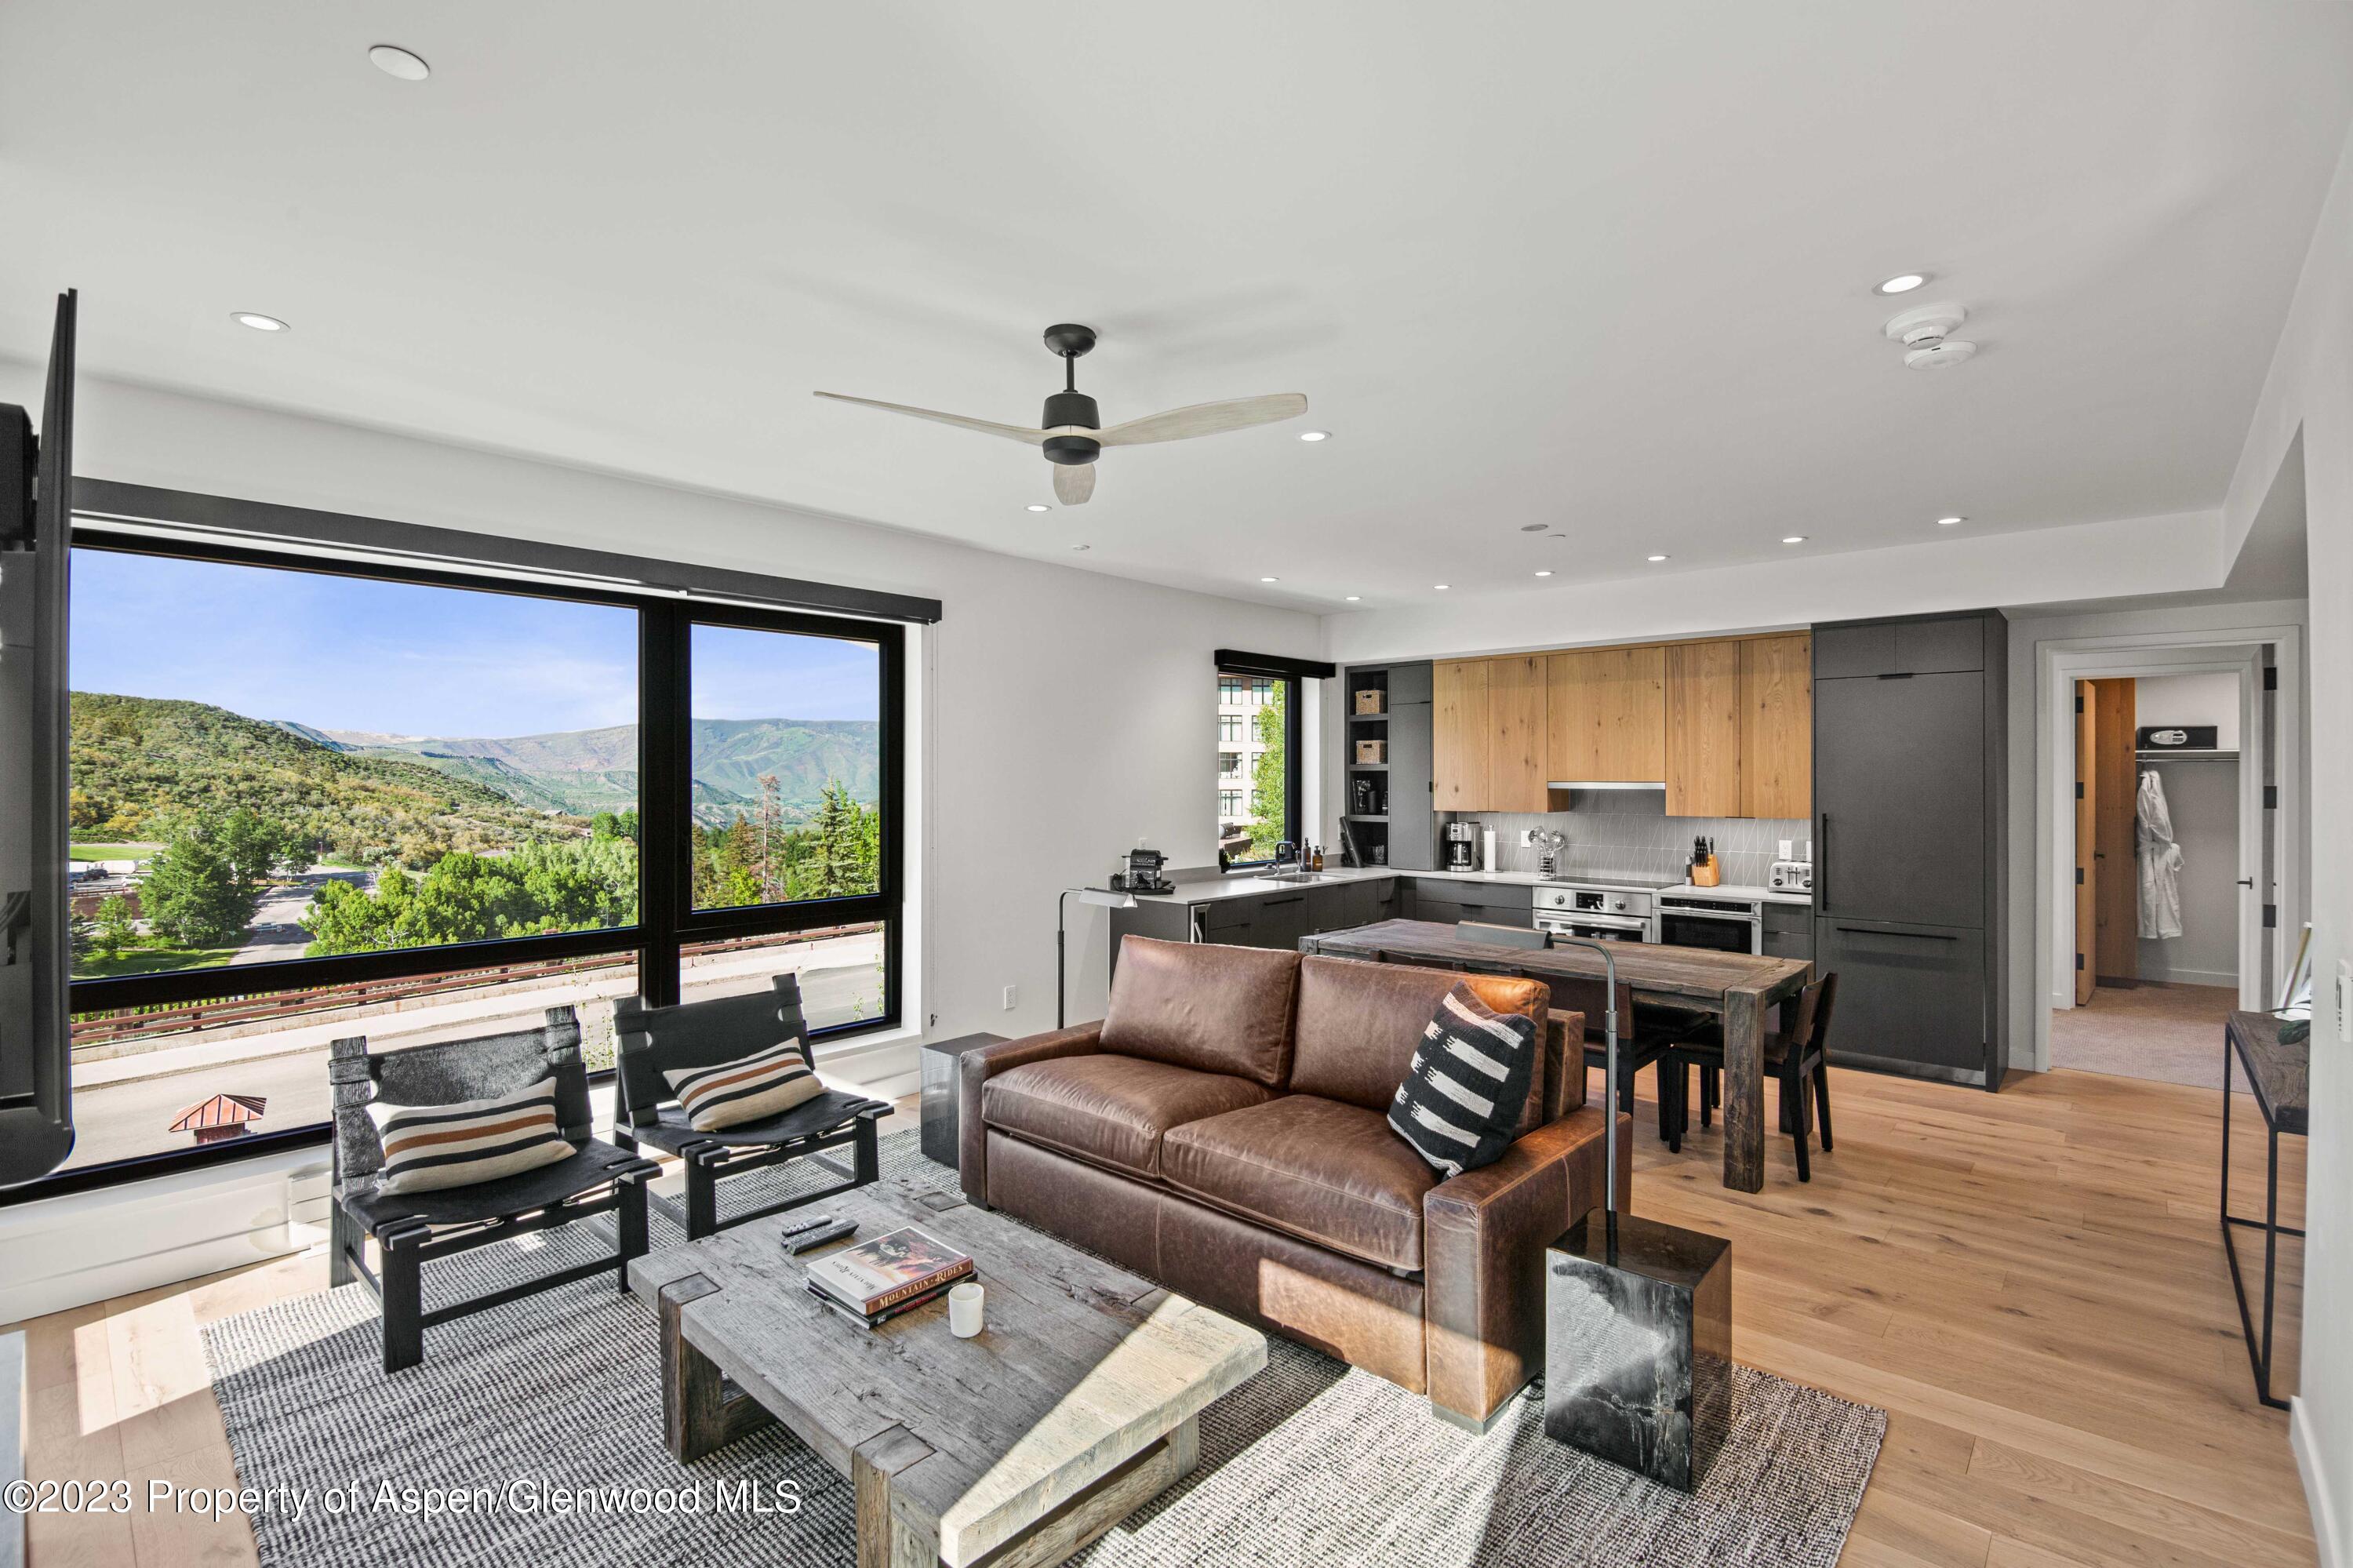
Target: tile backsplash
1627,832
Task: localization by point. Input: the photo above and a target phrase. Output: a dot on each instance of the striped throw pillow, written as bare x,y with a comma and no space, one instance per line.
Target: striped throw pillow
426,1148
1467,1084
732,1093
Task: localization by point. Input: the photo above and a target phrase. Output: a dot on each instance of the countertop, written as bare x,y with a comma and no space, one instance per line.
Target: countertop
1209,890
1736,890
1212,889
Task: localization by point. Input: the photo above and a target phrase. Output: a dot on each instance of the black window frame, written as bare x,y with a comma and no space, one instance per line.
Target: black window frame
1289,686
667,923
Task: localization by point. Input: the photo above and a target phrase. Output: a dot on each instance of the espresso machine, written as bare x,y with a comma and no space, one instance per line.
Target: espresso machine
1461,846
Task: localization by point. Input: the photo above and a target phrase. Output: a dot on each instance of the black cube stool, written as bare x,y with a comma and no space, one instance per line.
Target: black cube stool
1638,1345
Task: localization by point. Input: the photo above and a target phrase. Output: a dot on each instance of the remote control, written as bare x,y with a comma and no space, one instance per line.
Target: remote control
795,1227
802,1243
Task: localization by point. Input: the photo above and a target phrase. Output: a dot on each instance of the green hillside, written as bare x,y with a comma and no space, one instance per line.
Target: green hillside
143,768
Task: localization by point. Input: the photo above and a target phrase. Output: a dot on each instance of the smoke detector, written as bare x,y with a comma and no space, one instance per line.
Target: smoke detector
1926,333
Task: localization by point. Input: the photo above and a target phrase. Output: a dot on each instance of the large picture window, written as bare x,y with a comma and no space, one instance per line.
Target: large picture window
313,797
1257,736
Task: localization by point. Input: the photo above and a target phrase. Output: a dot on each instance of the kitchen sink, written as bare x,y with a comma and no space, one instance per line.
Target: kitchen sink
1299,876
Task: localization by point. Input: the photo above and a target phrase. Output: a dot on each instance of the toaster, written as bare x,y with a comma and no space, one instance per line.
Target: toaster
1792,876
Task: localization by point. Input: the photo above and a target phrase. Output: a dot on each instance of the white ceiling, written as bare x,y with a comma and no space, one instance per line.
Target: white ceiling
1604,267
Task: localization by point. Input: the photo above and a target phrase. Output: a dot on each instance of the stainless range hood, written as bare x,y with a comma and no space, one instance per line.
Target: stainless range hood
1660,784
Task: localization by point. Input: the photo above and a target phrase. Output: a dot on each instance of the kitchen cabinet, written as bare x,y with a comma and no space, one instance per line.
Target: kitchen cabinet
1900,798
1910,997
1789,931
1516,738
1459,721
1448,900
1413,829
1777,727
1909,725
1703,729
1606,714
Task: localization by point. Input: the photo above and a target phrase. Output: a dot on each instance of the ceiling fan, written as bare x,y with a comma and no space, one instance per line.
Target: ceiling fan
1070,433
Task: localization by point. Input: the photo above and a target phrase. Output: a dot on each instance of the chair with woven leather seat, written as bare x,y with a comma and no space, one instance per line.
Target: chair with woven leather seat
1794,1057
697,1035
413,1228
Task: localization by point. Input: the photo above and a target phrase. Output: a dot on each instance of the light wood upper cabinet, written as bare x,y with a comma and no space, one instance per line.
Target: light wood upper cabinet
1777,726
1516,758
1704,763
1606,714
1459,735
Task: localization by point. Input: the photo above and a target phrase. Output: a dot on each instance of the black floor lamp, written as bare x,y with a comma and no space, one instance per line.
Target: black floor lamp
1102,898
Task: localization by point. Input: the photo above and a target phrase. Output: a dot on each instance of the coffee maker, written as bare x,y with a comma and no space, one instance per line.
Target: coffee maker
1462,840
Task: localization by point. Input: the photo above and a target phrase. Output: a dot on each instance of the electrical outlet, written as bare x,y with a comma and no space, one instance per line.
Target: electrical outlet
1012,993
1527,838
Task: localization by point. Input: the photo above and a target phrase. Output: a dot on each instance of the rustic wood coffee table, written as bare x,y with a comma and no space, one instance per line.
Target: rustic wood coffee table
1078,1402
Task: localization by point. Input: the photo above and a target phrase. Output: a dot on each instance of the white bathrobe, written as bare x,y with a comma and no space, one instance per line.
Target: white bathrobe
2160,862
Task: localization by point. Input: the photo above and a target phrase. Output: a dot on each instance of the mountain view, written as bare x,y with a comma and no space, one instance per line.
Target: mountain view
582,772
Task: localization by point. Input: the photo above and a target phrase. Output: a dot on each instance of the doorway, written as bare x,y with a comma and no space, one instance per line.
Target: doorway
2157,873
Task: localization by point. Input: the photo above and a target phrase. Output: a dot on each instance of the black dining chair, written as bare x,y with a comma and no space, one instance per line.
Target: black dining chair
1794,1057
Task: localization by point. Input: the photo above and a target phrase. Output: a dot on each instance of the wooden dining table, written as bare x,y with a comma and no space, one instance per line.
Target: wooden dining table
1739,988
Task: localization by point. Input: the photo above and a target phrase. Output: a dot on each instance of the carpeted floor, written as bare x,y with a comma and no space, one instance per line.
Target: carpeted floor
2172,1034
542,1420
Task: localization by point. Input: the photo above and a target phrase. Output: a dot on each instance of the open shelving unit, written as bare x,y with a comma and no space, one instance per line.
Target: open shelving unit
1382,805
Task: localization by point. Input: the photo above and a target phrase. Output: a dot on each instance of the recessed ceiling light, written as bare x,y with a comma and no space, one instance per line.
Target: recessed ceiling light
1442,587
393,60
1544,574
1040,506
1354,598
1534,527
1082,546
258,321
1949,521
1902,283
1314,435
1268,579
1654,558
1794,539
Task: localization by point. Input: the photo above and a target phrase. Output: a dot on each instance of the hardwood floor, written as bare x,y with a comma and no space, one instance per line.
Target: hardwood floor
2030,1283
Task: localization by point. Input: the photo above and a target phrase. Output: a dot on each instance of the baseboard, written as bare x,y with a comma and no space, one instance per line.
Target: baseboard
2314,1475
2228,978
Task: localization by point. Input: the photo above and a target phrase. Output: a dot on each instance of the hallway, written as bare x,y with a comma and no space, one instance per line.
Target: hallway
2170,1033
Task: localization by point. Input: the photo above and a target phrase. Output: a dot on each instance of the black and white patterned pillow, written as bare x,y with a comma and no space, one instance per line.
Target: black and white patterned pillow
429,1148
1469,1082
727,1094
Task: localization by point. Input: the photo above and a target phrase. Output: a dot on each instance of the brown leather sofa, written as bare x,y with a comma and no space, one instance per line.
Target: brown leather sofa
1223,1130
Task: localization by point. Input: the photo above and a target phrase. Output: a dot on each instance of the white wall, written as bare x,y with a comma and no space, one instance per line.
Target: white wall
1064,714
2210,698
2309,390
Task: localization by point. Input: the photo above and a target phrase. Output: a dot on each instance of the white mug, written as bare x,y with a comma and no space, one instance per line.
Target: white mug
964,1310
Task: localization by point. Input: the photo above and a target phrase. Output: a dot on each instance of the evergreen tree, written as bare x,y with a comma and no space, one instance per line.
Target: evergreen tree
115,930
192,895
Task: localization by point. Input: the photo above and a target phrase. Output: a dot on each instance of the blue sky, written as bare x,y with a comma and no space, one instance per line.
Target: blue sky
400,659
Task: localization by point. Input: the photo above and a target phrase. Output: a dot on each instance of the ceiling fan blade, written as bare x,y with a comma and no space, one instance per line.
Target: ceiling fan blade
1074,482
987,427
1205,420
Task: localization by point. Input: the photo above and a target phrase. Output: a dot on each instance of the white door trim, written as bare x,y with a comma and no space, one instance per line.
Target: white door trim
2059,664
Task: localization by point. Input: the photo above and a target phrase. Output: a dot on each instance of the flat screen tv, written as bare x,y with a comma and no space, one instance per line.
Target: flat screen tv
35,919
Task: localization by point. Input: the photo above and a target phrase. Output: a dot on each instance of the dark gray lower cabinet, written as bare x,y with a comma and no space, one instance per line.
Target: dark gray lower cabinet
1448,901
1789,943
1912,998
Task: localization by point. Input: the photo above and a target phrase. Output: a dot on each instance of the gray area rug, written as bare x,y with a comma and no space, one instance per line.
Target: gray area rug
533,1433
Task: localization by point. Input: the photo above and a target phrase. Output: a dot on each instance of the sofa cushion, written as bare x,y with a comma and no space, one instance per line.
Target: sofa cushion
1213,1008
1359,1023
1110,1110
1323,1170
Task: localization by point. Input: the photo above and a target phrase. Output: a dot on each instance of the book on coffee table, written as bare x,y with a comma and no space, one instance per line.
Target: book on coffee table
879,1274
896,1310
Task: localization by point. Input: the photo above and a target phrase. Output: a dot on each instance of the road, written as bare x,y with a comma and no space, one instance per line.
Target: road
277,932
123,1106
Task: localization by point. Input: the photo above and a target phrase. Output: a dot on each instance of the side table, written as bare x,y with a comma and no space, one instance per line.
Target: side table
942,1064
2280,1077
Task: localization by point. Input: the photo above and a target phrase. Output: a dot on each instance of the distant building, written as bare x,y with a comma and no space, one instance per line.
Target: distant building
1240,697
221,1118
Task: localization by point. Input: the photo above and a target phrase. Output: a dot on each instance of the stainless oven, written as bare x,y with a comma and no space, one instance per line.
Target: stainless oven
1726,923
1602,912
